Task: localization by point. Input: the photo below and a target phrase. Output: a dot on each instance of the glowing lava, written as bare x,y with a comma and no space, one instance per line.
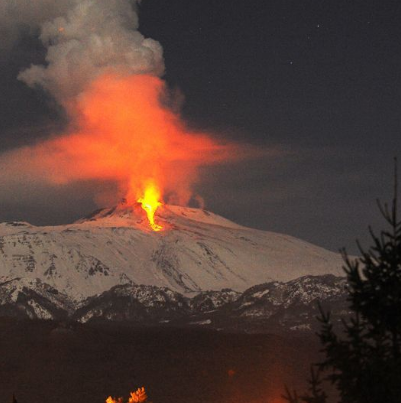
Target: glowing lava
150,203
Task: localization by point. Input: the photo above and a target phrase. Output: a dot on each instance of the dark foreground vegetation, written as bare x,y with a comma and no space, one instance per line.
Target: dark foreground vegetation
52,362
364,363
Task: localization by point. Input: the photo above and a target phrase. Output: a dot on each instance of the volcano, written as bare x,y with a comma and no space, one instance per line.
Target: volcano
196,251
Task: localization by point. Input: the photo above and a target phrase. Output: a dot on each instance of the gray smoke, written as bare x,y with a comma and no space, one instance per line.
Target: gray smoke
85,39
26,15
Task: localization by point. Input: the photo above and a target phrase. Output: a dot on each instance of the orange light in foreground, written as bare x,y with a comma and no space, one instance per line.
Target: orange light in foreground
150,203
139,396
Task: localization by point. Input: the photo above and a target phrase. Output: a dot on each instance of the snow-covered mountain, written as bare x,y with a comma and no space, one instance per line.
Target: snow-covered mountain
30,298
289,306
196,251
136,304
273,307
270,307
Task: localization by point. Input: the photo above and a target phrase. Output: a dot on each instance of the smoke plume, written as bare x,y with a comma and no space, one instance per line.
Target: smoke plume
106,75
93,38
26,15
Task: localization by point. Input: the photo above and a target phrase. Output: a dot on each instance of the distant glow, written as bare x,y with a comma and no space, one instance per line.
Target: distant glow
139,396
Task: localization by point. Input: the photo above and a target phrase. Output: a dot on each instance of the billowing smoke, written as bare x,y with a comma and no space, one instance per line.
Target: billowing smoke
106,75
93,38
26,15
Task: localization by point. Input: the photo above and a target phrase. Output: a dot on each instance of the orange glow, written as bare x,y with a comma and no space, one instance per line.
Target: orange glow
123,132
139,396
150,203
127,135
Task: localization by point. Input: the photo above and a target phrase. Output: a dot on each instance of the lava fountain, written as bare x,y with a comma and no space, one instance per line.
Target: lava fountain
150,203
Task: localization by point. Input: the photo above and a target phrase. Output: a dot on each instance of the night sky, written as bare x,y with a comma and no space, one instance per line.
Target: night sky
318,82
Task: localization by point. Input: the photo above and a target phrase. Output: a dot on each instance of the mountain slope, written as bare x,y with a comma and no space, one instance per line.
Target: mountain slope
273,307
270,307
24,297
196,251
286,306
131,303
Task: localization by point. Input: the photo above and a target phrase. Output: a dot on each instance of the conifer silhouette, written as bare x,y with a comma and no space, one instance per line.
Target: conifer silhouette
364,361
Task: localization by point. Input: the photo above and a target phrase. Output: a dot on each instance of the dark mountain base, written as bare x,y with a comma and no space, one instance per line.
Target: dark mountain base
272,307
55,362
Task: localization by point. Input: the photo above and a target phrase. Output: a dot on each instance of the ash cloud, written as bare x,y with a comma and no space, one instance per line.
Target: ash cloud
92,38
17,15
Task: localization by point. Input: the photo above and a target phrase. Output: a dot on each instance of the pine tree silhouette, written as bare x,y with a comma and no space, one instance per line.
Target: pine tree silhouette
364,361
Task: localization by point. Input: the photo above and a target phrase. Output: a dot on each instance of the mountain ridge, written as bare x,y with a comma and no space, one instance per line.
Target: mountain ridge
196,251
269,307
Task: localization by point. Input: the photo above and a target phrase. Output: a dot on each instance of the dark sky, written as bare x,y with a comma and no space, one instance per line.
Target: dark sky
318,80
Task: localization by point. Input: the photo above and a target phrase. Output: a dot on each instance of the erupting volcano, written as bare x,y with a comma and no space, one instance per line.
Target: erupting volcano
121,131
124,131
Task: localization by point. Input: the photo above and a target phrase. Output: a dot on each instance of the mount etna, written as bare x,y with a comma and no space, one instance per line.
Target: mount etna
200,270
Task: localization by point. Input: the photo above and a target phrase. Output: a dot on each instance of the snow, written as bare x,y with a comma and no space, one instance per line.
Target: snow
39,311
305,326
202,322
196,251
260,294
